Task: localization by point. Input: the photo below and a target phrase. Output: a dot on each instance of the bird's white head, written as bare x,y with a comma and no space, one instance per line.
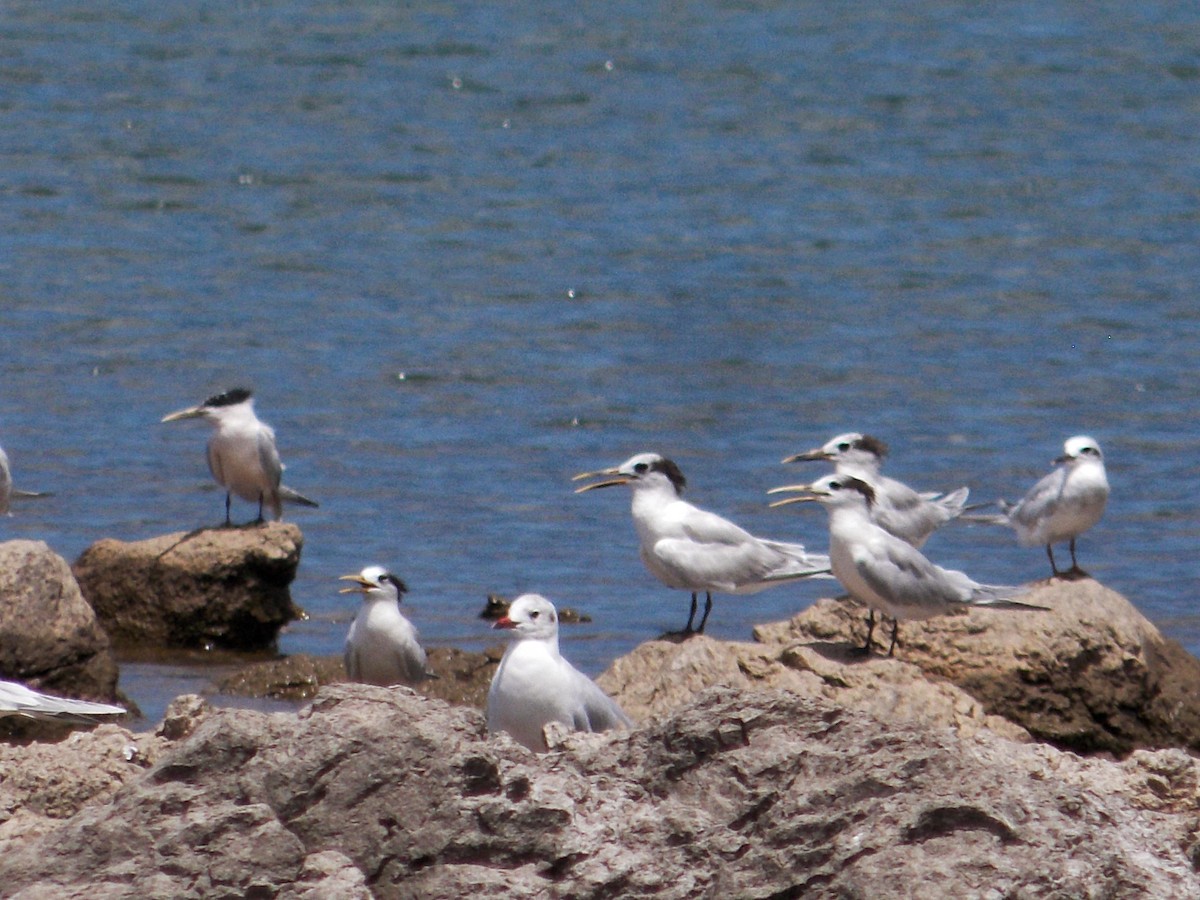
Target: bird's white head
851,447
375,583
1080,447
644,469
530,616
215,406
835,491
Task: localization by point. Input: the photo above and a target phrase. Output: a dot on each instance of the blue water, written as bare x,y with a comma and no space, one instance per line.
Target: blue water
464,251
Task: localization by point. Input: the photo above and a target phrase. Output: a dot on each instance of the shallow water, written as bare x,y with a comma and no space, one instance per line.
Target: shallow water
465,252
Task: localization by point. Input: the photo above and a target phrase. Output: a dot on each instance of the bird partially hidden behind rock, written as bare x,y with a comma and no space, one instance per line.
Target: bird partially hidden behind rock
888,574
534,685
242,456
19,700
382,646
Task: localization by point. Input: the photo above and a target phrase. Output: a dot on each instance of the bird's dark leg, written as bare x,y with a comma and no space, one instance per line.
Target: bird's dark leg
895,633
228,499
707,610
260,518
688,628
1075,572
1053,567
866,647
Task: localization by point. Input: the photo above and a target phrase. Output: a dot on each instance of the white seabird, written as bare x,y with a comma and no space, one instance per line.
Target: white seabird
382,646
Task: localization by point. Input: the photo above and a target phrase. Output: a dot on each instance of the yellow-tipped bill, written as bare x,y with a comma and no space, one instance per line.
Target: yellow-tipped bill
608,482
792,488
363,584
192,412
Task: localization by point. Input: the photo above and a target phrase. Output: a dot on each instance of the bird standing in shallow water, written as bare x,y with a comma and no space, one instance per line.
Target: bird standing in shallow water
241,452
898,509
686,547
1062,505
382,646
882,571
534,685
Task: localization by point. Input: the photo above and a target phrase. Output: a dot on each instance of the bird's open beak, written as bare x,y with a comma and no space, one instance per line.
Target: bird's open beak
608,482
807,456
504,622
362,583
192,412
792,488
1058,461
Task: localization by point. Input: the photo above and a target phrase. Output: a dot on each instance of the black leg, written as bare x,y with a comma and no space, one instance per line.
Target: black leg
260,518
688,628
1053,567
1074,562
228,498
866,647
707,610
895,634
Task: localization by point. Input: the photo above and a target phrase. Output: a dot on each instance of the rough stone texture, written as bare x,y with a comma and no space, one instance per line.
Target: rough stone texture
737,794
1090,674
660,676
463,676
50,639
216,587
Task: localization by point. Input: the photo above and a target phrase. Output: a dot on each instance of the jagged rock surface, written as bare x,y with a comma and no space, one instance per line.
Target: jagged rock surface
50,639
736,794
1090,674
216,587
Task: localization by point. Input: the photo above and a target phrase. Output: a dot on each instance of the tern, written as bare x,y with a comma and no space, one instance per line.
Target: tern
886,573
18,700
241,452
1062,505
898,509
534,685
689,548
7,492
382,646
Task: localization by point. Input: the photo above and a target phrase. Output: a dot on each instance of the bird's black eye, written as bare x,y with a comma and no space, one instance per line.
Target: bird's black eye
534,614
835,485
843,446
640,468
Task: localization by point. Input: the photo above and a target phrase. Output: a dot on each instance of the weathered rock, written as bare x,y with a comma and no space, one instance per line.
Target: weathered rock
216,587
463,676
658,677
50,639
1089,674
736,795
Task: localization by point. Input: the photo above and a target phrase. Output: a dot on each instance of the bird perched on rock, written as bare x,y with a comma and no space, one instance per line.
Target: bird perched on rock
1062,505
686,547
382,646
241,452
534,685
886,573
18,700
898,509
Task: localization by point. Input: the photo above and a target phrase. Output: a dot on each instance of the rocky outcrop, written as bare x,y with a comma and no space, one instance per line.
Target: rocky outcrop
380,792
50,638
1090,673
216,587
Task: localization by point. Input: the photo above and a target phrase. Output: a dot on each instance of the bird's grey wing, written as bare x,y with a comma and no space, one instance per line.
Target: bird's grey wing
350,656
411,661
293,496
268,455
598,711
902,576
1041,496
5,482
16,699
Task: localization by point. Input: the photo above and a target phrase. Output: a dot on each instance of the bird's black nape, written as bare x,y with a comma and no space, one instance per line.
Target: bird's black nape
857,484
672,471
872,445
400,585
231,397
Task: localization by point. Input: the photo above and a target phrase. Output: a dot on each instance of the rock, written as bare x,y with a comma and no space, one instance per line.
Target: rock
463,677
736,794
658,677
1089,674
216,587
50,639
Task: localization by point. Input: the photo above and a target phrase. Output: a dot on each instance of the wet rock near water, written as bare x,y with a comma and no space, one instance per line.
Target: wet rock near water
216,587
383,793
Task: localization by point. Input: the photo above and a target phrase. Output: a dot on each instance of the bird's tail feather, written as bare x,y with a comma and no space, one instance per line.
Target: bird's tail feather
293,496
1000,596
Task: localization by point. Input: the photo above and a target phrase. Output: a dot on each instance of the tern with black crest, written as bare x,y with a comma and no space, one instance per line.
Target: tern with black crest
382,646
885,573
688,548
241,452
898,509
534,685
1062,505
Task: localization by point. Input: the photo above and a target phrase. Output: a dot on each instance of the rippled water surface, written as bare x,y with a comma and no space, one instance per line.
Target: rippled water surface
464,251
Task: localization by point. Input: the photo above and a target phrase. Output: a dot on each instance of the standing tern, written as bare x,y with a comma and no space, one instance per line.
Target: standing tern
241,452
18,700
882,571
686,547
898,509
382,646
535,686
1062,505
